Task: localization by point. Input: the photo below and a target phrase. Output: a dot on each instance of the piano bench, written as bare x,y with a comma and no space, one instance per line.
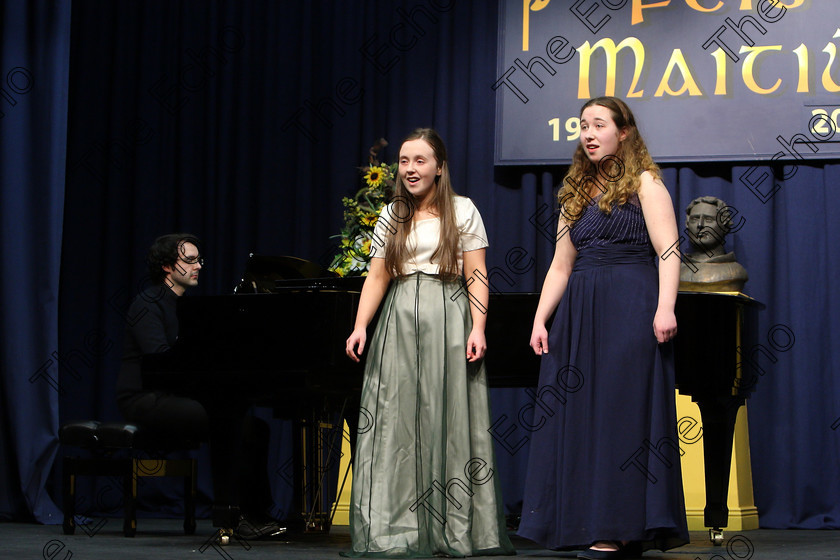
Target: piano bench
118,450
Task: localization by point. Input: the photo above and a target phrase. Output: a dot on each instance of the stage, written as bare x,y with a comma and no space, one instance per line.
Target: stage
163,538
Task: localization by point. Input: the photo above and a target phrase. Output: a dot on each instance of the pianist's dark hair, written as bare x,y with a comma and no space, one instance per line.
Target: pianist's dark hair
164,252
446,254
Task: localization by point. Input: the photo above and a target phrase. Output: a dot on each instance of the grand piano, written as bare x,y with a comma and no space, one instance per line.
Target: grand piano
247,343
278,341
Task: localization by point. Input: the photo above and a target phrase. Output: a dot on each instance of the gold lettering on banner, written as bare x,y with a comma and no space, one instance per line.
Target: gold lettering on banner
802,56
689,85
527,8
828,83
720,67
636,13
695,6
611,53
747,69
678,64
782,4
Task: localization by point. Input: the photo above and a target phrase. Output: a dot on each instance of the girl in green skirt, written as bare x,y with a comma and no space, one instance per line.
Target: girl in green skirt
424,474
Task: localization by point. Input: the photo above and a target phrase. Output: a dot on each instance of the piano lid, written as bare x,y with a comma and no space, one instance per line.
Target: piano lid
262,272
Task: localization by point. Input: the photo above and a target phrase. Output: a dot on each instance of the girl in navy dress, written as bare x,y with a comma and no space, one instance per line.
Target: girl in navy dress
604,472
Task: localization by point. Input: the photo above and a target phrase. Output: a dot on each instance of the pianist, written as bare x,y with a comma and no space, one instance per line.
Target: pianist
238,452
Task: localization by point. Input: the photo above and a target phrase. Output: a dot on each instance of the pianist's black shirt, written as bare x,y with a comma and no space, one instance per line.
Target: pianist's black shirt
151,326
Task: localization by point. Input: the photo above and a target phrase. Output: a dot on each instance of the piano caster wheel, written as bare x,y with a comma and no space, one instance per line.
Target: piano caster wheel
224,536
716,536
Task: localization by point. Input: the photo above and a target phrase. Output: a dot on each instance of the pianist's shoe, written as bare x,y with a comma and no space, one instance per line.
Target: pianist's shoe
251,530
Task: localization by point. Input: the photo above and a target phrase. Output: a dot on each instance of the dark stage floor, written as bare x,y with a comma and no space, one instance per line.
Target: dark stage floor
163,539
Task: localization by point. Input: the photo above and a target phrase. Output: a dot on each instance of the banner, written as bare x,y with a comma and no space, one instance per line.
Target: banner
708,80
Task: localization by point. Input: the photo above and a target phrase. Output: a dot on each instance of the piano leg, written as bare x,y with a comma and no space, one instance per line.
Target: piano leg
718,430
317,454
307,488
226,518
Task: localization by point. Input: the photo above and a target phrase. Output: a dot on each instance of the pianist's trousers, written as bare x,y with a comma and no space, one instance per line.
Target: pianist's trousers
238,443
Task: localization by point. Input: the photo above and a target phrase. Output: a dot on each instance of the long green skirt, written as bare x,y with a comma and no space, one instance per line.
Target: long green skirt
424,473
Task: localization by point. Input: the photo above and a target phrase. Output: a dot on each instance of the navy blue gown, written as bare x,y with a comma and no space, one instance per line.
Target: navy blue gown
605,464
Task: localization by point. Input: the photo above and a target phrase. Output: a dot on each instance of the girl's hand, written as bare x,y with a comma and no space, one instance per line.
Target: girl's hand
357,338
664,325
539,339
476,346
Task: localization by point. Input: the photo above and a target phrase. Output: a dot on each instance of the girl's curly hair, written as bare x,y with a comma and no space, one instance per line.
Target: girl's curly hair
617,176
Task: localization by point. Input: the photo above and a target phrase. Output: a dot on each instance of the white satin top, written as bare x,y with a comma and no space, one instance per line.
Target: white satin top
425,235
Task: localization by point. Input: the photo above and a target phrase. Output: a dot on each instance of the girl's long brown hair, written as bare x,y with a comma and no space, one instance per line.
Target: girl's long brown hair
618,176
442,204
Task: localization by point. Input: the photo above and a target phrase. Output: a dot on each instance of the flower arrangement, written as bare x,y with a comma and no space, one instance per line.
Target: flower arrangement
361,213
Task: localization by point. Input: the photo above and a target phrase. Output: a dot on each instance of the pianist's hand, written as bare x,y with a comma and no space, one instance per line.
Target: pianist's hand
357,338
539,339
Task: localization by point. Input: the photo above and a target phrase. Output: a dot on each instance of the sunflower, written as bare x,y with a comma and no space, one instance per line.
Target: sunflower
361,213
370,219
375,176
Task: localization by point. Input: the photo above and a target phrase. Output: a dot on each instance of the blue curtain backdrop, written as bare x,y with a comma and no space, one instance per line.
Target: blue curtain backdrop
34,68
245,122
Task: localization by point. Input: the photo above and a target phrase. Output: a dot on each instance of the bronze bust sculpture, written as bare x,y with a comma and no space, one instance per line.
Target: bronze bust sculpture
710,268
